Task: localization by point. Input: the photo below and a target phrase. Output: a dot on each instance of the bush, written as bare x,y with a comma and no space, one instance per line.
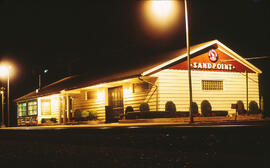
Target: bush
253,108
77,113
48,120
129,109
195,111
206,108
220,113
84,114
170,107
144,107
240,107
93,115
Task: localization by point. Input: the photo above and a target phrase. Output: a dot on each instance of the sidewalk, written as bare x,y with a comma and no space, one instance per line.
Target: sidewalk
183,121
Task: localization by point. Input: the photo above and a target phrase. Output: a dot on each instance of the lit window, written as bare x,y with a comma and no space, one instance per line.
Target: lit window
22,109
46,107
212,85
32,108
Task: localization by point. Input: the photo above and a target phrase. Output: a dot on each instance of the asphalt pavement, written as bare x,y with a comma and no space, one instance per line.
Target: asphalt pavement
110,145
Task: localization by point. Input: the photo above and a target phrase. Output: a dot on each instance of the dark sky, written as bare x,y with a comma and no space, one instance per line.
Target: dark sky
70,37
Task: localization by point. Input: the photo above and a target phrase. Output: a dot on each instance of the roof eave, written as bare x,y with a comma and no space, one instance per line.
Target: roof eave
178,58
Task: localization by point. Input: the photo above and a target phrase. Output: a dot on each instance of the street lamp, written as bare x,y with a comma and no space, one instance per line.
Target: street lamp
39,78
166,10
2,91
5,72
188,62
161,17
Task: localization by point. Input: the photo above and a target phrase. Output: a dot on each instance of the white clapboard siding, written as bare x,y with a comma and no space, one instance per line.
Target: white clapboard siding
173,86
96,103
136,99
55,107
129,99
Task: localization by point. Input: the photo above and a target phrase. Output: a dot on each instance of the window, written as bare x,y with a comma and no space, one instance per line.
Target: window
22,109
32,108
141,87
46,107
91,95
212,85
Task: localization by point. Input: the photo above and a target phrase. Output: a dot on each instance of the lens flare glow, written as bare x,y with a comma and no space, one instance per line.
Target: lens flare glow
161,16
162,9
4,70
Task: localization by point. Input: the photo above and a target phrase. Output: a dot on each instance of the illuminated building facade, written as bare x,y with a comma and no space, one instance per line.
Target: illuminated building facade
219,75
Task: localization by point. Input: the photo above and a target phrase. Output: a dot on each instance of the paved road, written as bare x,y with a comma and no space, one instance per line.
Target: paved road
264,123
138,146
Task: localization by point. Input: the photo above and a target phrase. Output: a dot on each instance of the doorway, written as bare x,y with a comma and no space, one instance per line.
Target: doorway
115,96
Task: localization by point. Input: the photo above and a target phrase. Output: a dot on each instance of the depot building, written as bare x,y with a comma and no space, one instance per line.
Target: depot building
219,76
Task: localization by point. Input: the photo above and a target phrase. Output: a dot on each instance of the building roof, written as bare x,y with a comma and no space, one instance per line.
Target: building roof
143,69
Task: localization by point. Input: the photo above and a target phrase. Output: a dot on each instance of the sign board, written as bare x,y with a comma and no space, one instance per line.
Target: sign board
214,59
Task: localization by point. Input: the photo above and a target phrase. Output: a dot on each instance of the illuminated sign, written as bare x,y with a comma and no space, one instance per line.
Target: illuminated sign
212,60
213,56
212,66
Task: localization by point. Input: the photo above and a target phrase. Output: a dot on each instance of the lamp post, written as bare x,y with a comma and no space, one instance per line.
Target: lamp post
164,10
3,112
188,62
39,78
5,72
8,98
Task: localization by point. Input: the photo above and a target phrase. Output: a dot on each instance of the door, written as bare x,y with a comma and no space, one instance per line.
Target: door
115,96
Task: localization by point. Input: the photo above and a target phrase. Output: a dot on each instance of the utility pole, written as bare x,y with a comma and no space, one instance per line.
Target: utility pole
39,78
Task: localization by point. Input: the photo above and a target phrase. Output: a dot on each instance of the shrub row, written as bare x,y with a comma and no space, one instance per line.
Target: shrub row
85,115
206,110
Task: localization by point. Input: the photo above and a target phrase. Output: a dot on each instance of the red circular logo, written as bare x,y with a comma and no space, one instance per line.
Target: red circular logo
213,56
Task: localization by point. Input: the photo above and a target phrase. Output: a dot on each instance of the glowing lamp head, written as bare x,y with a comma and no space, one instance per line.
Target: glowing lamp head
161,16
4,70
162,8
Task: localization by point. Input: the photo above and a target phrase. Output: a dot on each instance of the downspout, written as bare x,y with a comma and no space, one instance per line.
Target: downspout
156,87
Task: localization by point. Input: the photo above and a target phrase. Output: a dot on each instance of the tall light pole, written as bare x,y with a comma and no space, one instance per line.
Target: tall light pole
163,14
3,112
8,97
5,72
188,62
39,78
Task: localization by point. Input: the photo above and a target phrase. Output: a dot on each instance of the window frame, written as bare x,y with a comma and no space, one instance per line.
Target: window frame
42,106
26,110
34,105
20,114
212,85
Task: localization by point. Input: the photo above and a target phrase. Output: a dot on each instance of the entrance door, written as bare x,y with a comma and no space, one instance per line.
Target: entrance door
115,96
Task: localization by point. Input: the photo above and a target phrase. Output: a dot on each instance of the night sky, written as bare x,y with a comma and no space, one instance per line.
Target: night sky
71,37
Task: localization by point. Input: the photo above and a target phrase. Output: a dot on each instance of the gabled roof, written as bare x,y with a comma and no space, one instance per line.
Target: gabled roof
143,69
75,82
196,48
